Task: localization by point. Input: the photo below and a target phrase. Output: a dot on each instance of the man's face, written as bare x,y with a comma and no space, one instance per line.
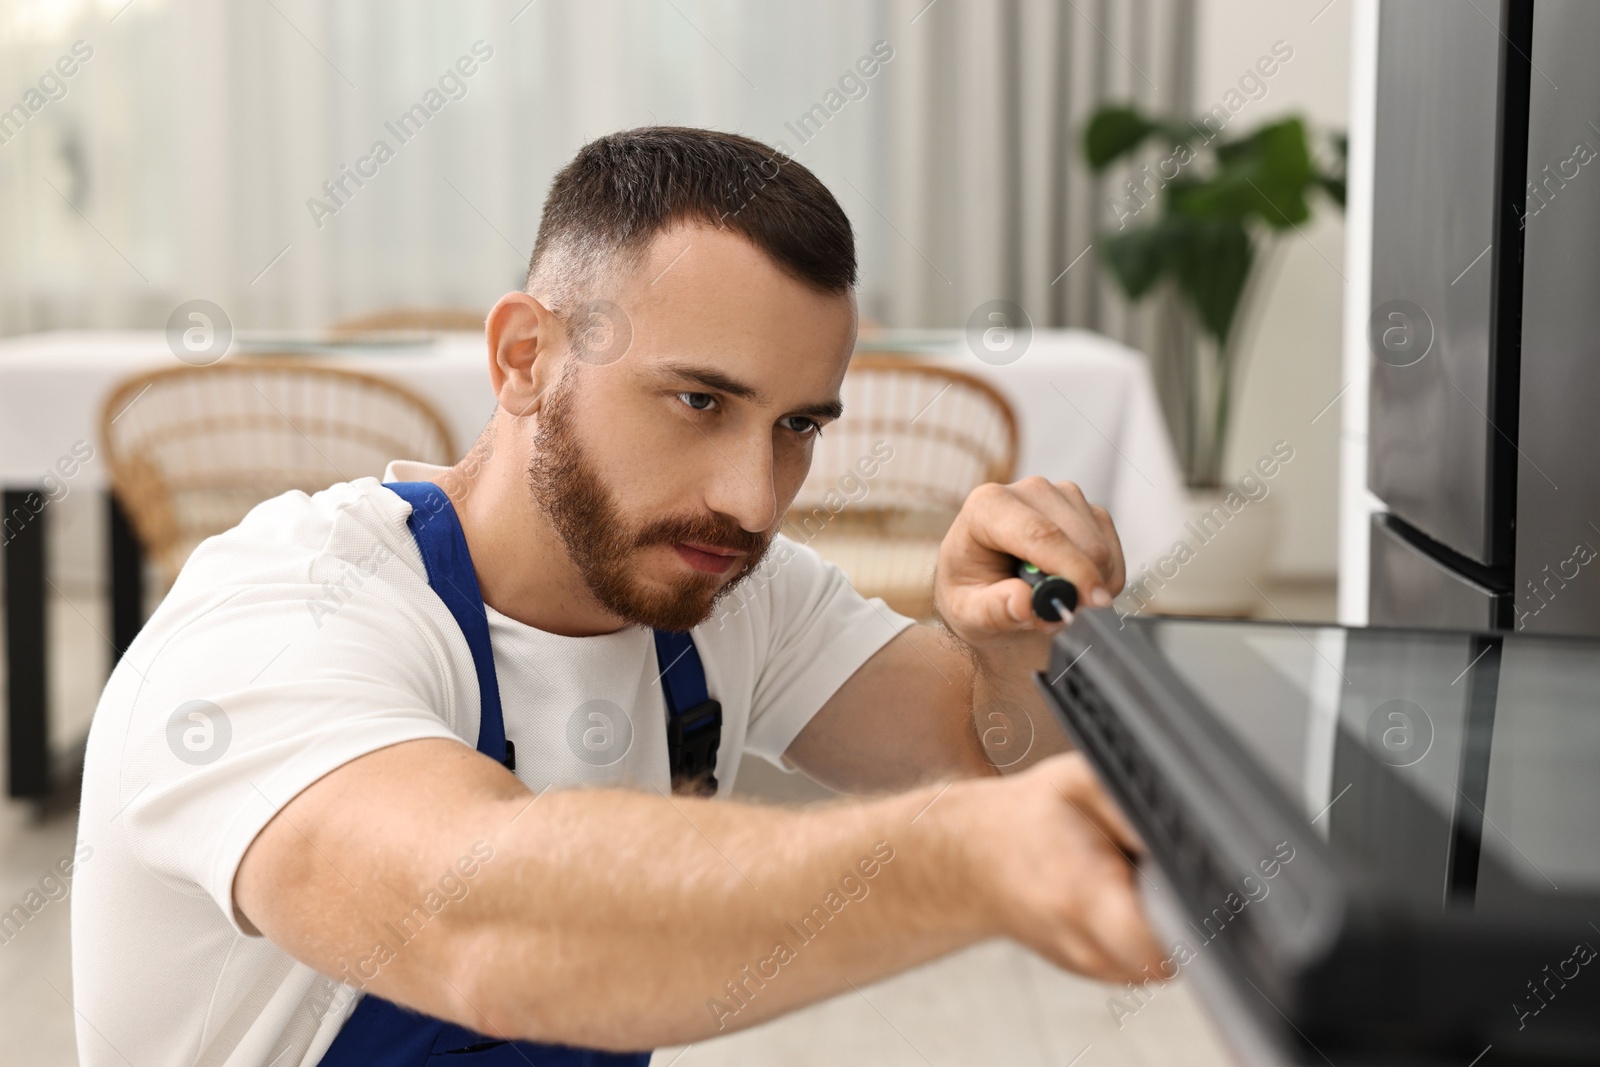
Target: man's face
666,468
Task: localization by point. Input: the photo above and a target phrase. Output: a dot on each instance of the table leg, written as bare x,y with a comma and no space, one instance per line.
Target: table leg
22,530
127,578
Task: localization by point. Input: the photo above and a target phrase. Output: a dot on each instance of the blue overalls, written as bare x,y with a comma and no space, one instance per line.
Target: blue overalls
380,1033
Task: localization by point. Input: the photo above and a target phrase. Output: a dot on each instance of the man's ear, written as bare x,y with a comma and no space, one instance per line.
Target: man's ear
525,344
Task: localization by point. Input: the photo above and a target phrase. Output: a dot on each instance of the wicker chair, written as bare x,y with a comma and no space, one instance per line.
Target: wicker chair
192,449
436,319
944,431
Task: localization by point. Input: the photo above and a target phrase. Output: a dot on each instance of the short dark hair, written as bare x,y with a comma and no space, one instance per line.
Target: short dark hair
623,189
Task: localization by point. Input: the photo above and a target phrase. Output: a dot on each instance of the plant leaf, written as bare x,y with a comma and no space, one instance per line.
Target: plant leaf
1212,263
1181,132
1264,175
1333,180
1113,132
1232,152
1138,258
1334,187
1282,172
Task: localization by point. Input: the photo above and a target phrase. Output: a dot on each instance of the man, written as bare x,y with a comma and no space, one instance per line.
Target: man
282,794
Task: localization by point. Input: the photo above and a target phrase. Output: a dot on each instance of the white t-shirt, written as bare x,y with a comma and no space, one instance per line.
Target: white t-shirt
308,636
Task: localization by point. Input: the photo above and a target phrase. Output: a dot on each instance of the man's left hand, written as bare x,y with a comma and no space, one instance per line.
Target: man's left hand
1048,524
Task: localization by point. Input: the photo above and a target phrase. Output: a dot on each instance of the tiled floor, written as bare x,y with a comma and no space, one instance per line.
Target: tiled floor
991,1004
35,976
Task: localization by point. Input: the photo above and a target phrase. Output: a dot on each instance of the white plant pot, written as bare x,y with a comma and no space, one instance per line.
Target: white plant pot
1230,543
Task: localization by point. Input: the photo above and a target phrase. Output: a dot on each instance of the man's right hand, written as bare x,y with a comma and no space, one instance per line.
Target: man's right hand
1051,853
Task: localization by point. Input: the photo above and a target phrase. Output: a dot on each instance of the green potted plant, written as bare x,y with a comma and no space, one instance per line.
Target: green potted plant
1195,222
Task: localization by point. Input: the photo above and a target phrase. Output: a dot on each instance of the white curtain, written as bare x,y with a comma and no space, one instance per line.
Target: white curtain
986,151
179,159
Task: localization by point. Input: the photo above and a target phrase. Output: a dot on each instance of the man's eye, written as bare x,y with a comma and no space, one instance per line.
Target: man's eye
698,401
804,425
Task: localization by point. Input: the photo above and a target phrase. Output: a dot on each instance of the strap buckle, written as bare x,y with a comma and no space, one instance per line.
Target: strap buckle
692,741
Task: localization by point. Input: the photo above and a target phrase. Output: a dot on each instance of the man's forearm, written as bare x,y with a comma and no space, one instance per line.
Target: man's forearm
903,720
1015,725
621,920
427,874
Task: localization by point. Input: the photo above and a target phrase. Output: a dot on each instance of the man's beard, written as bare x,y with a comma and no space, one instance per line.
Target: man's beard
602,545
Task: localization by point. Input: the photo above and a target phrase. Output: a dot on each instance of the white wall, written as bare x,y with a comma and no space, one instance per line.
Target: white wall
1356,502
1293,361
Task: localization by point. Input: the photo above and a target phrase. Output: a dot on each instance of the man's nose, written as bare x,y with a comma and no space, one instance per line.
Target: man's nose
742,486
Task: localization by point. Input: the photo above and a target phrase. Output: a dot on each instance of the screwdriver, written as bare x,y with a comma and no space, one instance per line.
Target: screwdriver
1054,597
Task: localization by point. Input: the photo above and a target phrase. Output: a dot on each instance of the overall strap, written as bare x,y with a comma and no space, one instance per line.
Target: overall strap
694,720
438,534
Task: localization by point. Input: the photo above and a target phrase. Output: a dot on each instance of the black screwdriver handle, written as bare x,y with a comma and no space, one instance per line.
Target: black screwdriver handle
1048,591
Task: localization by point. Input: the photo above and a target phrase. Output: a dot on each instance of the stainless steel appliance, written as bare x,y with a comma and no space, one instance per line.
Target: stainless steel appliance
1485,333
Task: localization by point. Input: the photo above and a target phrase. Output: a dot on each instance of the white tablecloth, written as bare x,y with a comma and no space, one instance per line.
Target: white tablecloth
1086,408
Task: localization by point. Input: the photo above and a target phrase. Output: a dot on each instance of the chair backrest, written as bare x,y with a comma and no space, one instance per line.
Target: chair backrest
406,318
944,431
192,449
